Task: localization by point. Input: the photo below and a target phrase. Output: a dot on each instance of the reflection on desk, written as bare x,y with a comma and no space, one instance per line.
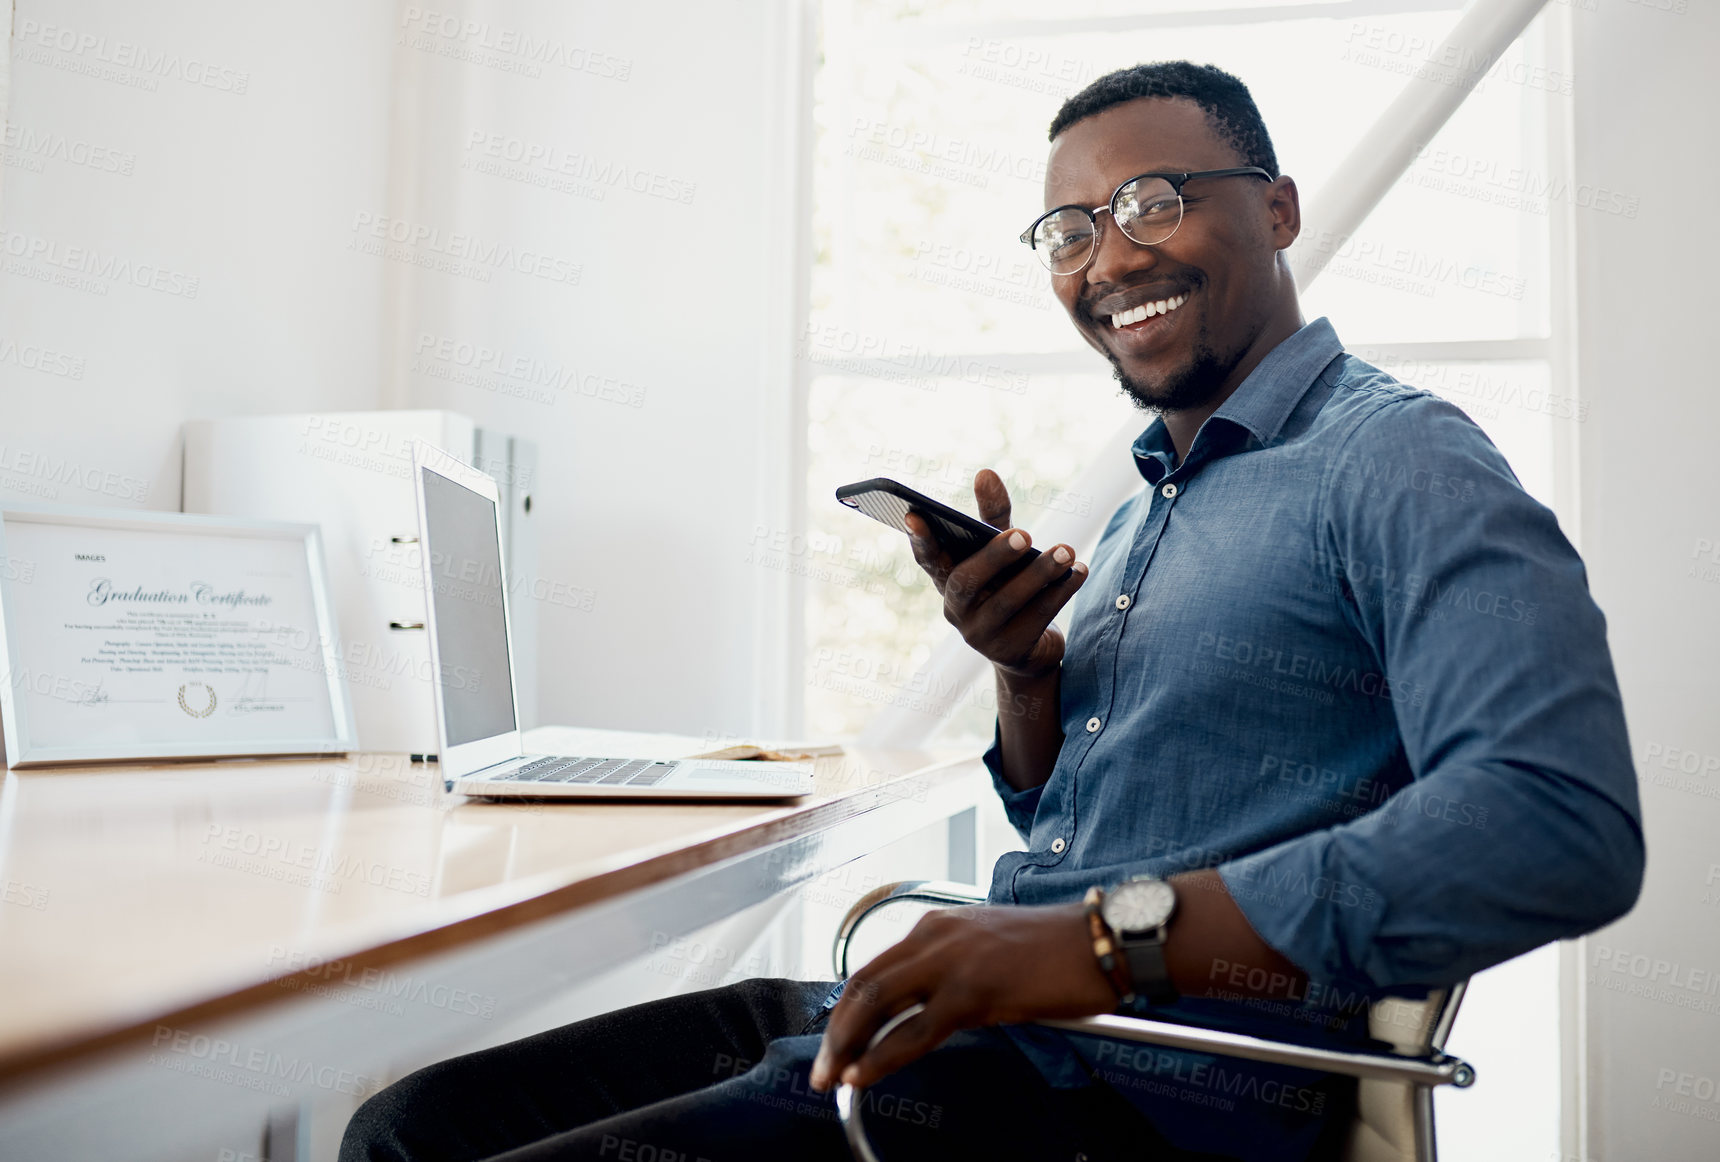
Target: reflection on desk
144,897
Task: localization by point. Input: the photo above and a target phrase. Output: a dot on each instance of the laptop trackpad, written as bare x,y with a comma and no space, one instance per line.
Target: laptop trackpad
746,777
764,779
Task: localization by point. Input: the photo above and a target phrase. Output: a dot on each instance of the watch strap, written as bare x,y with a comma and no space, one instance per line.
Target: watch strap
1149,976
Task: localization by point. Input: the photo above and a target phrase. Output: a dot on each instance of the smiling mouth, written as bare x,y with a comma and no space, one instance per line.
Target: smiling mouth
1145,311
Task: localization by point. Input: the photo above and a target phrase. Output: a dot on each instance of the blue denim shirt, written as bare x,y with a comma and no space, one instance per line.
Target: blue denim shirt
1340,655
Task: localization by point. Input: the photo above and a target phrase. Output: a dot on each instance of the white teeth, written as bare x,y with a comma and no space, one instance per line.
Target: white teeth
1147,310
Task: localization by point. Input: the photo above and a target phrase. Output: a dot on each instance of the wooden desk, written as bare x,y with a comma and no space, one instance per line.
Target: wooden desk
187,942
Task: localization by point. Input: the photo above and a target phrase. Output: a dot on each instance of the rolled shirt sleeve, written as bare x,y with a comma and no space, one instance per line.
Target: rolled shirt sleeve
1018,806
1522,823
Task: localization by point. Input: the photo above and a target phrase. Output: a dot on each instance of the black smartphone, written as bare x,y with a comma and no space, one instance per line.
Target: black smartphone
888,502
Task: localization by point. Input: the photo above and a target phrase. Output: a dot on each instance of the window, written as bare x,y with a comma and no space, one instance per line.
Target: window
935,347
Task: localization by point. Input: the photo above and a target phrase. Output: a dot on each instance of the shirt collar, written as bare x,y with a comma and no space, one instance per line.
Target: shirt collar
1261,403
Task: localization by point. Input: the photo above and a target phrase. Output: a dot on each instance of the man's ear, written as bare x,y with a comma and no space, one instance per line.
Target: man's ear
1284,204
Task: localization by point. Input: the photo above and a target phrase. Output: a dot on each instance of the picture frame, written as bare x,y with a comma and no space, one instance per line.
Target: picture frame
135,635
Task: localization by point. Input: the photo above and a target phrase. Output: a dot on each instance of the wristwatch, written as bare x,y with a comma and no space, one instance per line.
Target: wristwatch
1139,912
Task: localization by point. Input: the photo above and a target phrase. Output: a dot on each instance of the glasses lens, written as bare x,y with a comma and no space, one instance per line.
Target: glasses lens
1064,240
1148,210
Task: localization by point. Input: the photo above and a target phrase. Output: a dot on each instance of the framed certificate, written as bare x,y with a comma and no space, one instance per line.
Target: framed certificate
127,634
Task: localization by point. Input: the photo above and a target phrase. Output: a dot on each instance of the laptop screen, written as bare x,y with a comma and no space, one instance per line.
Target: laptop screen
471,631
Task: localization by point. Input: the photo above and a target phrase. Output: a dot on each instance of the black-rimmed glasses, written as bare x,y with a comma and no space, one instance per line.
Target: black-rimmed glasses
1147,208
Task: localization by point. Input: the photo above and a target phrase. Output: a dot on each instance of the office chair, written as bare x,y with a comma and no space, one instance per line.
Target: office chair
1394,1093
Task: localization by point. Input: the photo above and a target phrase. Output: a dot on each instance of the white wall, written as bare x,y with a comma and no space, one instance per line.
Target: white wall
192,281
665,174
265,155
1646,93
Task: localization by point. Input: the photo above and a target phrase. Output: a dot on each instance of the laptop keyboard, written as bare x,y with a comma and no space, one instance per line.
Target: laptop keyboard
593,772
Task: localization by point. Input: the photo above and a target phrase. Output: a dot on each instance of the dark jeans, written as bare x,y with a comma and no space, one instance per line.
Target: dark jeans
722,1075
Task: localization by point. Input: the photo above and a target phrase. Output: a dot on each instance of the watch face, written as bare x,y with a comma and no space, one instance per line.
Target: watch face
1139,905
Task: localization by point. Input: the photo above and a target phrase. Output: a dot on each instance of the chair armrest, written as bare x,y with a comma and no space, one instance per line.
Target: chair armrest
1431,1070
944,892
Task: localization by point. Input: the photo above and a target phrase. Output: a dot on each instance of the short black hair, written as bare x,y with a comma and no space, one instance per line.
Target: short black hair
1225,98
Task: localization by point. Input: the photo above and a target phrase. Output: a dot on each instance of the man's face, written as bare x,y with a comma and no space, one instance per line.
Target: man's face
1221,257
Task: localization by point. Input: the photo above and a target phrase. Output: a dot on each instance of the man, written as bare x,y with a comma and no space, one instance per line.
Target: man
1333,685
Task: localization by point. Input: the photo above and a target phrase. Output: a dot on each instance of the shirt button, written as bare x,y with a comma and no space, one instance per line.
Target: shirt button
1169,491
1122,601
1057,845
1092,725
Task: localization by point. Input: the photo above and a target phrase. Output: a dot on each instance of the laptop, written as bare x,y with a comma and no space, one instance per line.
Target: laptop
466,595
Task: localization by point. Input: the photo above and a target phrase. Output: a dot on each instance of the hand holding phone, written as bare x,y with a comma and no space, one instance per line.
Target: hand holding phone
998,590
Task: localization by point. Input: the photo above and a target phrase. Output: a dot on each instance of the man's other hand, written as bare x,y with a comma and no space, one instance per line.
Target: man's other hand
969,967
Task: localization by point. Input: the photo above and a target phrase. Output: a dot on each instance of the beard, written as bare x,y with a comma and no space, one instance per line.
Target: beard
1193,384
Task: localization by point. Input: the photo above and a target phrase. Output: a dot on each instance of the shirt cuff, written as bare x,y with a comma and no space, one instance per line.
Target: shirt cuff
1019,806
